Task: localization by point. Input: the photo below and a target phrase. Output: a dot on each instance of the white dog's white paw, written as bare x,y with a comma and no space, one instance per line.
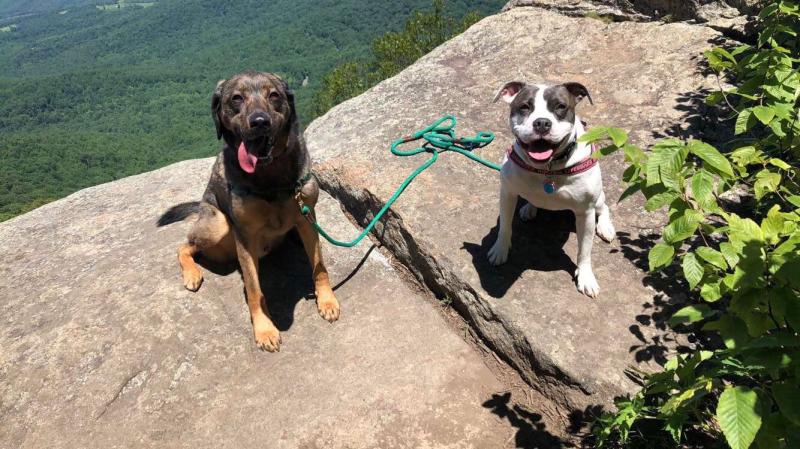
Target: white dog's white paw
605,229
528,212
498,254
587,284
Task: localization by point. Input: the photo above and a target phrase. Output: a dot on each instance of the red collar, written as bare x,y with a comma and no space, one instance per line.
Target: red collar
580,167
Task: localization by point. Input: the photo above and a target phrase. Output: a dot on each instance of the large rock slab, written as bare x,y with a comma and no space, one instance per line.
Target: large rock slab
102,347
641,76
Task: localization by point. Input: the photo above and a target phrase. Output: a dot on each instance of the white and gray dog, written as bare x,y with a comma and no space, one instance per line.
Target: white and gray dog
550,169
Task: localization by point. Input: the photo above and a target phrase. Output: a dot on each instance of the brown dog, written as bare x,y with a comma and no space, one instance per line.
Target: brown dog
251,200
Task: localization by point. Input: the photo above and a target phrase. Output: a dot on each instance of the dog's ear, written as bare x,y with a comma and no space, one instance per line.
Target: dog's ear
509,91
290,99
216,107
578,91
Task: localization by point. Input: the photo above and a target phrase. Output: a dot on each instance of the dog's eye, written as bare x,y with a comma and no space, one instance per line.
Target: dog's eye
274,96
237,99
561,107
524,107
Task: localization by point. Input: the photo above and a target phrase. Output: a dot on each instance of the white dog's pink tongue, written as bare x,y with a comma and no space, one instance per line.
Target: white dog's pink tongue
246,160
540,155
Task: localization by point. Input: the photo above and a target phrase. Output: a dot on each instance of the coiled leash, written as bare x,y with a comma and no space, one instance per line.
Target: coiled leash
439,138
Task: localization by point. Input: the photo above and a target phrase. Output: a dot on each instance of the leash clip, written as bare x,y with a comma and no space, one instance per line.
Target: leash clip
304,210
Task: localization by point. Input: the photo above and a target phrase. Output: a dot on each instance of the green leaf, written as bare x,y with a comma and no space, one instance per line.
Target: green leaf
732,330
764,114
618,136
744,121
593,134
780,164
660,255
711,156
747,155
730,253
714,98
766,182
710,291
692,270
664,163
745,302
605,151
712,256
758,323
744,230
795,200
691,314
789,272
682,228
788,398
703,190
660,200
772,432
737,414
634,154
772,225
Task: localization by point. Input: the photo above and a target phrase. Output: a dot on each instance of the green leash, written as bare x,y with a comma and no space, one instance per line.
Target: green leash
440,137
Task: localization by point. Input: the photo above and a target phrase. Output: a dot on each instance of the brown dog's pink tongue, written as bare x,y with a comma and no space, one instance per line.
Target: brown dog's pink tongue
246,160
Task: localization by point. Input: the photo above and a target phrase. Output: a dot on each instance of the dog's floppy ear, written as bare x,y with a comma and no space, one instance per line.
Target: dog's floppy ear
509,91
290,99
578,91
216,107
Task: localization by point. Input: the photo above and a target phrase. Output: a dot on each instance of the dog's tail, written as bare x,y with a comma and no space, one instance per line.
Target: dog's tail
178,212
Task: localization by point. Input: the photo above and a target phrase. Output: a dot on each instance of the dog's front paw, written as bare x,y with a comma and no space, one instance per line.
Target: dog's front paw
587,284
528,212
192,279
328,307
267,337
605,229
498,254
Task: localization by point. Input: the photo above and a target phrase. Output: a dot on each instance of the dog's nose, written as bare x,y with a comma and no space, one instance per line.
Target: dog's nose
542,125
259,120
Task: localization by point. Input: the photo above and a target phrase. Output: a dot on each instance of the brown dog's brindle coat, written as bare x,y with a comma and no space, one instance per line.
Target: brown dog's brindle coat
242,216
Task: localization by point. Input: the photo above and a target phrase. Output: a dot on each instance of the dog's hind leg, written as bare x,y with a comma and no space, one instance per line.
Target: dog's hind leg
210,235
327,304
605,229
585,227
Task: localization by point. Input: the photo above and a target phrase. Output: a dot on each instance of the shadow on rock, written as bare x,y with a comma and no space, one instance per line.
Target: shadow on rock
537,245
531,431
652,329
700,120
581,422
285,276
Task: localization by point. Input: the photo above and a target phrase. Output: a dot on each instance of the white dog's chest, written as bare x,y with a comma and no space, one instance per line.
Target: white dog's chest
573,192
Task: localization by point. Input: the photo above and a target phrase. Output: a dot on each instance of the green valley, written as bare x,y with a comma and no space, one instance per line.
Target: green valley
89,95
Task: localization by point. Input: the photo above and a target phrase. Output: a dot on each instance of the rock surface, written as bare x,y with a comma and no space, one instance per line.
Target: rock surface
731,17
642,77
102,347
701,10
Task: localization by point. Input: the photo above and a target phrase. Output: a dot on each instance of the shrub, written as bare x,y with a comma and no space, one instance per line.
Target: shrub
743,269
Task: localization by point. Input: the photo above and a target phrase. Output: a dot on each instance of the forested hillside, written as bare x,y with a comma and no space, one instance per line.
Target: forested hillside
90,94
